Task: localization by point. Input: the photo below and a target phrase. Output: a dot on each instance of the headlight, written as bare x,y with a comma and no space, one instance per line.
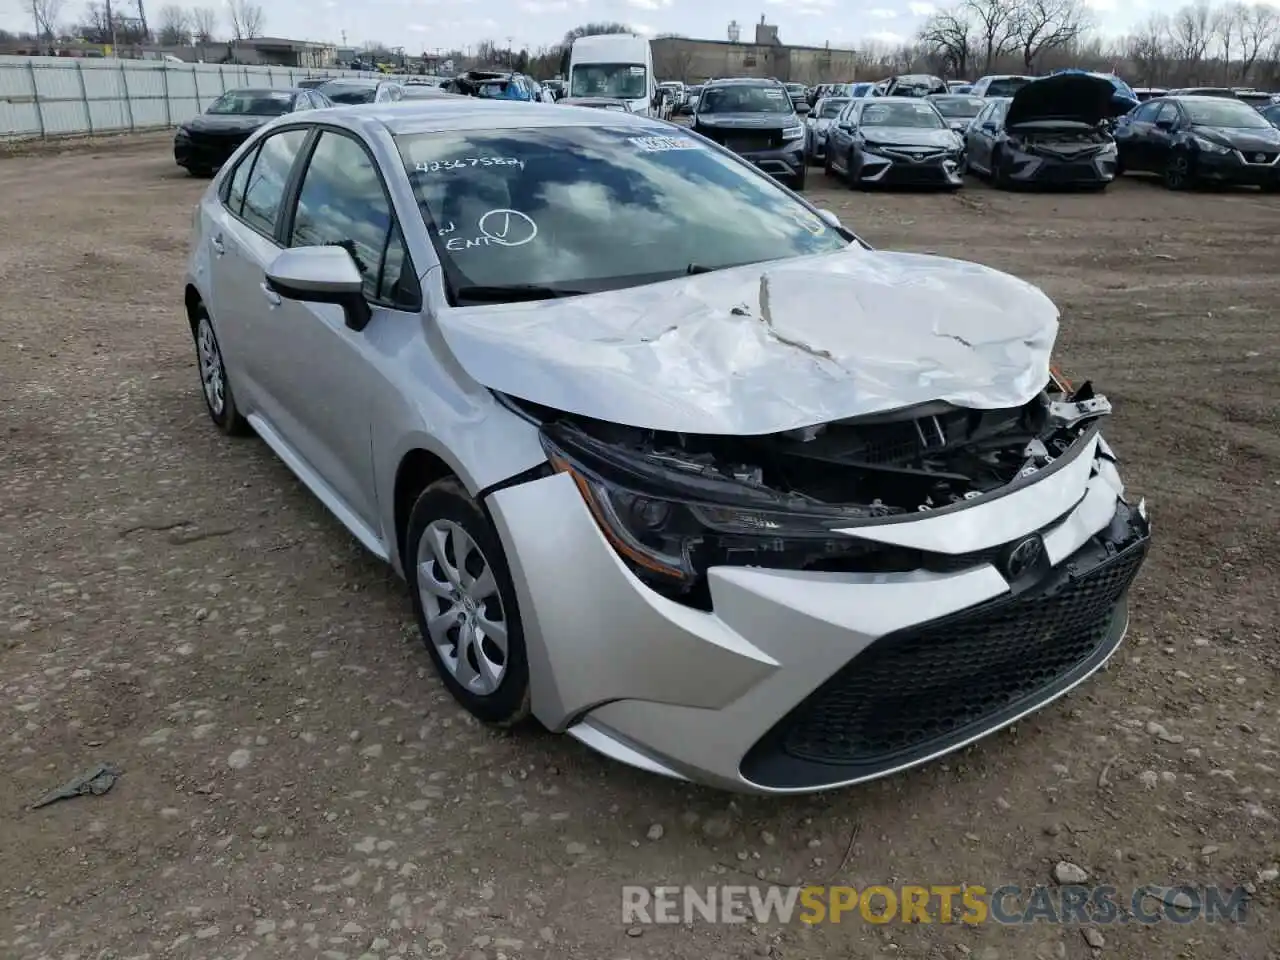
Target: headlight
1208,146
793,133
670,521
182,134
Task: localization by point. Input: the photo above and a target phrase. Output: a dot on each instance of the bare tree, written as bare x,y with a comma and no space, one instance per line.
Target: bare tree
995,28
47,13
204,24
1191,33
948,36
1259,28
246,19
1041,25
1147,48
175,26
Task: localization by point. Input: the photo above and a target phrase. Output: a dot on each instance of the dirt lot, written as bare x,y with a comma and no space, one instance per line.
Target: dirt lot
297,783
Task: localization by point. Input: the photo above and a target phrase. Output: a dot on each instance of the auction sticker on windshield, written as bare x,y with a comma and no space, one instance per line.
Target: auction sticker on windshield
463,163
663,144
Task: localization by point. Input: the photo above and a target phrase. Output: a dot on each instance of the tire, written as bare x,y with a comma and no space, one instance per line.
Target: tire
850,177
999,172
1178,172
827,169
491,683
798,182
219,399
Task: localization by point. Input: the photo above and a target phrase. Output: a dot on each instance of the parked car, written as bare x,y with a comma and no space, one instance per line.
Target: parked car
677,92
204,143
1225,92
424,91
1272,114
1257,98
311,83
740,500
999,85
757,120
959,86
597,103
691,95
347,91
817,124
855,91
957,109
913,85
894,141
798,93
1051,132
1188,140
1149,93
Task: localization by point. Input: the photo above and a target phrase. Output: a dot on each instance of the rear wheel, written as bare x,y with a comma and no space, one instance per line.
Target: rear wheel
218,398
1178,172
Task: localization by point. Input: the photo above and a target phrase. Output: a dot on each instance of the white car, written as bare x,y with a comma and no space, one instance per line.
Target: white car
670,460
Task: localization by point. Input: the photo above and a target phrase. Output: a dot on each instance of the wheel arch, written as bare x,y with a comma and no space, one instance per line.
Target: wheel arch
418,469
192,301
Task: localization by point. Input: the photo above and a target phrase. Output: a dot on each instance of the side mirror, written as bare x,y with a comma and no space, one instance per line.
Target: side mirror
989,126
1164,125
322,275
830,217
803,108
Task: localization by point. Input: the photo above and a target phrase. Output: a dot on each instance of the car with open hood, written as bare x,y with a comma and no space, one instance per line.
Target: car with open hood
818,124
202,144
957,109
1053,132
669,459
1190,140
757,120
894,141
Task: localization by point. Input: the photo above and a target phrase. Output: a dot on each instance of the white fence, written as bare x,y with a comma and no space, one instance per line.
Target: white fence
63,96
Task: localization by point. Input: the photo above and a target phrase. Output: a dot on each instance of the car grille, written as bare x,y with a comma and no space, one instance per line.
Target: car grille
1254,156
749,141
914,693
1067,172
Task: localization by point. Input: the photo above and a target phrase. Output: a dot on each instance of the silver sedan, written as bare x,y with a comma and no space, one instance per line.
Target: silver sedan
669,459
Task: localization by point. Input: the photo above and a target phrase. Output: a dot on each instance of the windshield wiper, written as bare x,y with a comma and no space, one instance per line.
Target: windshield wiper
513,292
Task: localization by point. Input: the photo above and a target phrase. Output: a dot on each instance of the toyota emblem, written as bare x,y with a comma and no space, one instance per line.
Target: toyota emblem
1023,557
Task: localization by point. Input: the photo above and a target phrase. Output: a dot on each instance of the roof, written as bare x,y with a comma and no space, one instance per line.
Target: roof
471,113
742,82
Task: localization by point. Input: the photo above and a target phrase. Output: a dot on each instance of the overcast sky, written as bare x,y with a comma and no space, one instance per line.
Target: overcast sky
421,25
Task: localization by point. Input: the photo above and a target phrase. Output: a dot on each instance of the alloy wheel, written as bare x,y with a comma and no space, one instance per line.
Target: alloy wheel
465,618
213,376
1178,171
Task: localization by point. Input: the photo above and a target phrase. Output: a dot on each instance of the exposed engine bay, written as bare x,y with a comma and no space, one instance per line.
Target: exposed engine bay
674,504
1066,141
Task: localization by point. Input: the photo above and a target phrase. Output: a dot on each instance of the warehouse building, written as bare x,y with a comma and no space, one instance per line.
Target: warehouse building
693,61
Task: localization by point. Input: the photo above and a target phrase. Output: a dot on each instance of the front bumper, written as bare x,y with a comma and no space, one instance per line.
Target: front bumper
785,163
1055,171
199,153
799,681
883,167
1238,168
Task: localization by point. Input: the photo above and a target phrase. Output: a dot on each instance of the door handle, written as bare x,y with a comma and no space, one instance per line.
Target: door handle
216,243
273,298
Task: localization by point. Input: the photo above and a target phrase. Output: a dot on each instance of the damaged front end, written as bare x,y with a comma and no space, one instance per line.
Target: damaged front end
674,505
1061,142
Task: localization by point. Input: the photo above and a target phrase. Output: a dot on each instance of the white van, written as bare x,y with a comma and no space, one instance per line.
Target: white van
615,65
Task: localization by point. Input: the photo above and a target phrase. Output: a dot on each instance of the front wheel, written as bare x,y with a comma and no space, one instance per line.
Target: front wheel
852,172
1178,173
1000,170
798,181
466,605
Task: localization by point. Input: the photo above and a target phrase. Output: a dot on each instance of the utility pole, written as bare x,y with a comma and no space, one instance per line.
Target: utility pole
111,27
142,15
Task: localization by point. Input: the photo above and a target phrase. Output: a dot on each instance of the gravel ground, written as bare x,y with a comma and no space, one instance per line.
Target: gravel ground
297,783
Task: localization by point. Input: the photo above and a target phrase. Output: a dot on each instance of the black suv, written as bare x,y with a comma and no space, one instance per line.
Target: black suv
756,120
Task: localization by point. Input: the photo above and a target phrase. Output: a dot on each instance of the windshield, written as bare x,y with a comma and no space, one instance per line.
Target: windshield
626,81
1224,113
962,107
1006,86
582,209
830,109
350,93
253,103
745,99
901,115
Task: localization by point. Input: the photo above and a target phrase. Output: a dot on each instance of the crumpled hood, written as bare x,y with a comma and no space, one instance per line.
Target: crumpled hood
769,347
226,123
910,137
1064,96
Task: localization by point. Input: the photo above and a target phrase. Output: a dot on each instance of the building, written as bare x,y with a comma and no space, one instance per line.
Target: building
693,61
278,52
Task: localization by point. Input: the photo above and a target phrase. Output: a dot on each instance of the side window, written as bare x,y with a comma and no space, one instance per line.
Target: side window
1146,113
239,180
302,102
1168,112
270,174
343,203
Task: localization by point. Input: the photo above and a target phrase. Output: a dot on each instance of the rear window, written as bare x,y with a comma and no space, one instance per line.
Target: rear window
581,209
350,93
961,107
253,103
1006,86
